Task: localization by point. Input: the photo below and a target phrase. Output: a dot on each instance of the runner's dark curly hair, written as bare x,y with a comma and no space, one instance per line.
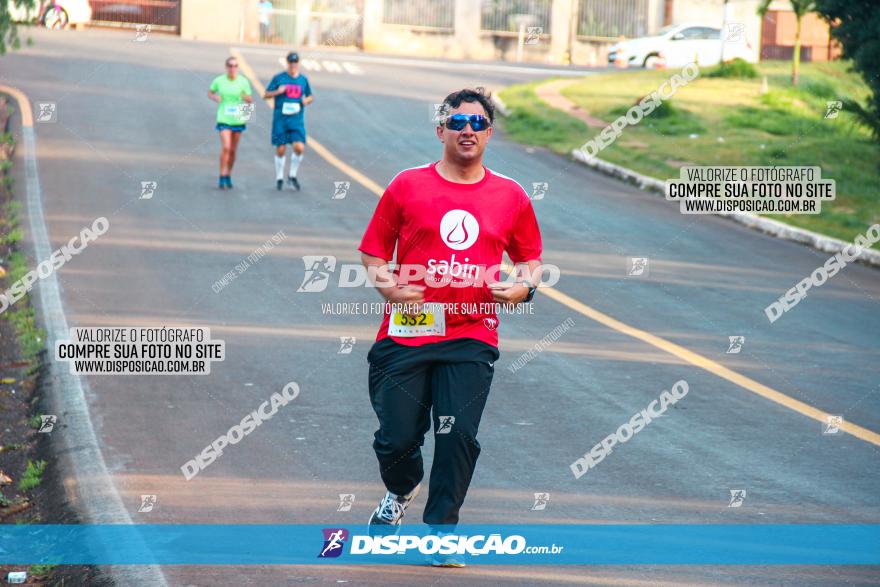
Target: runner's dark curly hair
480,95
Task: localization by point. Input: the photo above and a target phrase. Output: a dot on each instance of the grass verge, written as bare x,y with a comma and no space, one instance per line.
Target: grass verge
31,487
725,121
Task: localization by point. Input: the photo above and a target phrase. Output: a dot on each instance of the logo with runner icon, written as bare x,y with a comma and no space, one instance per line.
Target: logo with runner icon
340,189
445,424
832,424
833,109
346,345
638,266
148,189
47,423
334,540
737,497
245,112
148,502
539,189
736,344
541,501
318,270
47,112
346,500
533,35
459,229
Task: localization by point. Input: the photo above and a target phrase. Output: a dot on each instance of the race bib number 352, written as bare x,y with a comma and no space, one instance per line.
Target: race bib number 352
431,321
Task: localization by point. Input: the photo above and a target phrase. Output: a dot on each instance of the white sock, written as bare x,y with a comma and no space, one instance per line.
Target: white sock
279,167
295,160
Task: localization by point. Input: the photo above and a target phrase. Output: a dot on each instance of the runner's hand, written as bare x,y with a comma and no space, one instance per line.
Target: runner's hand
509,293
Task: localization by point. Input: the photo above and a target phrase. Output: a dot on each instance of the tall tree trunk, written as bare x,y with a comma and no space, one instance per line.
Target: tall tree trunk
796,64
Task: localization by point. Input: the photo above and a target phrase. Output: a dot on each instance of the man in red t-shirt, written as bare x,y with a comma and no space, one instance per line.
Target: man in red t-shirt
451,221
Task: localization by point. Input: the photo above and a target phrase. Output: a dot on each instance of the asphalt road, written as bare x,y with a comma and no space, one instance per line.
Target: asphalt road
137,111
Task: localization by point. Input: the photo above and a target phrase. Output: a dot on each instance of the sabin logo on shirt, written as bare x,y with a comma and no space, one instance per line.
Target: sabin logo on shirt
459,229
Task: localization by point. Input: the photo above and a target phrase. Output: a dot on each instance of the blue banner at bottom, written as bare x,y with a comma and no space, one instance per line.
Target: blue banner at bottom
673,544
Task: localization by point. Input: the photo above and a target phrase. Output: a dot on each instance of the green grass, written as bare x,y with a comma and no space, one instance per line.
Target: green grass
667,119
35,422
735,124
13,237
33,475
21,315
42,569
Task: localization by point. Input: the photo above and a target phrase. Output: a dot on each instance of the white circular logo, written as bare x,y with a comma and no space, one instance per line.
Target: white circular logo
459,229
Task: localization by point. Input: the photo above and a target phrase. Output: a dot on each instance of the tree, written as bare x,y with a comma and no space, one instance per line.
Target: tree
800,8
8,31
855,24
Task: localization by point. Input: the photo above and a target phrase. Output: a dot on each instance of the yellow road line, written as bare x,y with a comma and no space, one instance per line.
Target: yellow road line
682,353
24,105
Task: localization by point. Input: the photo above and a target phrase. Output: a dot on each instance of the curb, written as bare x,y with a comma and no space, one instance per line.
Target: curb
500,106
818,241
93,494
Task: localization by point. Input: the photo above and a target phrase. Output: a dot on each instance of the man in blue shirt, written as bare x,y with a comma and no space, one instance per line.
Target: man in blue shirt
292,92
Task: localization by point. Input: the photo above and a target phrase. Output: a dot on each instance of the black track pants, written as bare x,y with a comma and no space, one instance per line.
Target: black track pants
453,377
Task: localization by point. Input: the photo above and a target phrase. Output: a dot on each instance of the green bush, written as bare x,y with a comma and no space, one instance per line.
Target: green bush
738,68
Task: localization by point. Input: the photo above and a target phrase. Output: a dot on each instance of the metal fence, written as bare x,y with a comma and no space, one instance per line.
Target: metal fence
159,14
609,19
430,14
501,16
334,23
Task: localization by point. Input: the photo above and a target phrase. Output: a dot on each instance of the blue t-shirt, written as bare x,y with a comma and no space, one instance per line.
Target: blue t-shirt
289,109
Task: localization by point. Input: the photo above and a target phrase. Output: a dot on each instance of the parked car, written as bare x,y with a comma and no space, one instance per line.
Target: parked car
678,45
53,14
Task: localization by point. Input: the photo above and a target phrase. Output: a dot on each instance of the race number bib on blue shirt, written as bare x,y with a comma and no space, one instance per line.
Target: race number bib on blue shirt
289,108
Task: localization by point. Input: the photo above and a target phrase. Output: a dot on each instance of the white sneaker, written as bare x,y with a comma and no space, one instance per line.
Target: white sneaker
392,507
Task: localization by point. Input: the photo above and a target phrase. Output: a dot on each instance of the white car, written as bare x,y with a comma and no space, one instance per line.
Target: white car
53,14
678,45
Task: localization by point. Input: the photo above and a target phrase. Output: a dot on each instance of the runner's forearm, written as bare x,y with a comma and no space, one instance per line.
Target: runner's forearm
529,271
379,274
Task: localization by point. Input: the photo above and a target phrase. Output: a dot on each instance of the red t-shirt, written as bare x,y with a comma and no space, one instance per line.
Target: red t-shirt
453,229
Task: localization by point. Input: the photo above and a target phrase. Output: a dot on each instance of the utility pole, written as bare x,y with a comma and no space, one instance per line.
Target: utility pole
723,32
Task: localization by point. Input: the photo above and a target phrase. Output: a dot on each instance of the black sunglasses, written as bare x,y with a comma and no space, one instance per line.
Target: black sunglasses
478,122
